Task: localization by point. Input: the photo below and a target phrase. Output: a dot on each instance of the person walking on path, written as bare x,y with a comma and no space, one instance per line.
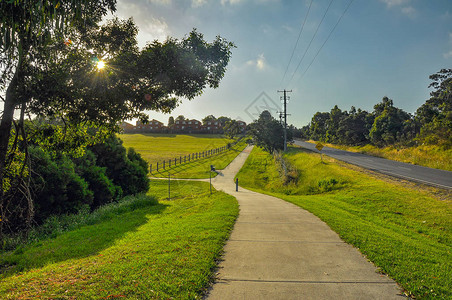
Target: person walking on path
279,251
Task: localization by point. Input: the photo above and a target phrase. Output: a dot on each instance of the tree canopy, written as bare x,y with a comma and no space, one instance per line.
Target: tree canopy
388,124
49,57
58,78
232,128
268,133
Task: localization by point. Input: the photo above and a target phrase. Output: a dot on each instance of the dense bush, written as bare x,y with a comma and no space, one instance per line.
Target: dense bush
130,175
56,184
58,188
136,158
102,187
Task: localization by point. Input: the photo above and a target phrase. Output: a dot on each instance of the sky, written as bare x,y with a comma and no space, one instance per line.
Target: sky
327,52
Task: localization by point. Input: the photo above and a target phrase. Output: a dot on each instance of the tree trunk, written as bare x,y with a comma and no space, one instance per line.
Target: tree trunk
5,133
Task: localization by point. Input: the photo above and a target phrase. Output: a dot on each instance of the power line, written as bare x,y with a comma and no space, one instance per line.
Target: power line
296,43
321,21
331,32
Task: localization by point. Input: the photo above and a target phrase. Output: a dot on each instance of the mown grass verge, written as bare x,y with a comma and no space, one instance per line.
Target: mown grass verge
406,233
431,156
158,147
161,251
201,168
155,147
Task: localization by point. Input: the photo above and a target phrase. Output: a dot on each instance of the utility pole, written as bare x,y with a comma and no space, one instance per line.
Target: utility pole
280,114
285,98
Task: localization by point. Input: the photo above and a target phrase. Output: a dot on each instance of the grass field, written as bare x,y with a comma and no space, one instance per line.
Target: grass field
425,155
158,147
406,233
161,250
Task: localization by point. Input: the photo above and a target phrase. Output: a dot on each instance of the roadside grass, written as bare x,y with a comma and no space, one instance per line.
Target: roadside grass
407,234
201,168
431,156
158,147
166,250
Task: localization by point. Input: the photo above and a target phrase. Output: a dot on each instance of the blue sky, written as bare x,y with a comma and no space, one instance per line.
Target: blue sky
379,48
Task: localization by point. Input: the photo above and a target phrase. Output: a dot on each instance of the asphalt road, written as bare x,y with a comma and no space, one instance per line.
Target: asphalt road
434,177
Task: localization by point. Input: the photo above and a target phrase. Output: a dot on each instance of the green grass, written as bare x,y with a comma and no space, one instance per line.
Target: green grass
160,251
158,147
406,233
200,168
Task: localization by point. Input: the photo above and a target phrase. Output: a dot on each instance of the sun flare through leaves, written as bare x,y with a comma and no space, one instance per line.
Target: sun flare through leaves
100,65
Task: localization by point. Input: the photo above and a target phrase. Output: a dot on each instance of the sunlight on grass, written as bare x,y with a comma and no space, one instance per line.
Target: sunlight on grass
425,155
164,251
406,233
201,168
158,147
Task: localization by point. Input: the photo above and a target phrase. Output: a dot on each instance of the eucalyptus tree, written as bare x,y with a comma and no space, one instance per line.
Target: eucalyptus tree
435,115
268,133
58,63
232,128
27,27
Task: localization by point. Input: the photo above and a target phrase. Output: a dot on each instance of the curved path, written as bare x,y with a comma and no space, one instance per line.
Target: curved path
280,251
434,177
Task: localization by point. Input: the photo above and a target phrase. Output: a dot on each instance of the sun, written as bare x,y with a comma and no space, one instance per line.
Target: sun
100,64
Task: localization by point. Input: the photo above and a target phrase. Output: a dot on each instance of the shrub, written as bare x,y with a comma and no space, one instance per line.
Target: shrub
136,158
104,190
131,176
58,189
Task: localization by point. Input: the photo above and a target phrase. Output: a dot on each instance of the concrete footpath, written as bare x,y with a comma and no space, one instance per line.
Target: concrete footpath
280,251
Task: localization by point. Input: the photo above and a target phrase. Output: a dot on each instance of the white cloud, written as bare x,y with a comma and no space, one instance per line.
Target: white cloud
160,2
155,29
404,6
391,3
409,11
198,3
231,2
260,63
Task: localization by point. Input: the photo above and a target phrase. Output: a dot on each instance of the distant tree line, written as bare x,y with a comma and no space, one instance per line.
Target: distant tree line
387,124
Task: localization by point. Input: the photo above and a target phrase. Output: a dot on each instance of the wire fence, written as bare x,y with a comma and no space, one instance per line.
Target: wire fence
168,163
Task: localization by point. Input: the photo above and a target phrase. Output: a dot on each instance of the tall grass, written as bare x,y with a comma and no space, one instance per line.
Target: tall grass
406,233
431,156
